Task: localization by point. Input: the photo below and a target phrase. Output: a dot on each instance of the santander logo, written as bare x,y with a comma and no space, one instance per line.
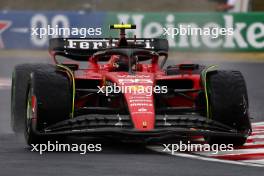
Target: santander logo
4,25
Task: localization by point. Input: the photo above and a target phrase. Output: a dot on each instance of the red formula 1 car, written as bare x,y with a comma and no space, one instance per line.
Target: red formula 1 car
117,87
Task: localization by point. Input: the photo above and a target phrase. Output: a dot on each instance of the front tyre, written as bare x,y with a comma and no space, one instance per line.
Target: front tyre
49,101
20,79
229,105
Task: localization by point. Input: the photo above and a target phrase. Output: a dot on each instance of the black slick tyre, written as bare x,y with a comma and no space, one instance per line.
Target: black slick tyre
52,94
229,105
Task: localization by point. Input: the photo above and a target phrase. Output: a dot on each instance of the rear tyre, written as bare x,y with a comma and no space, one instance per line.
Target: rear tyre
52,92
229,105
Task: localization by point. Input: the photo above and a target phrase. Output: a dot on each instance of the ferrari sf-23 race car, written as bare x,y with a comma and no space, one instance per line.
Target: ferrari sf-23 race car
73,97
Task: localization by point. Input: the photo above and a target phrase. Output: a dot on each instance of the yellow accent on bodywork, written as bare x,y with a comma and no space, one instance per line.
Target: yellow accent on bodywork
204,73
122,26
73,86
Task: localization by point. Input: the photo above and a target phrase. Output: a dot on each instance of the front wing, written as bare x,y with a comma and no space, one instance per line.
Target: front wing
98,125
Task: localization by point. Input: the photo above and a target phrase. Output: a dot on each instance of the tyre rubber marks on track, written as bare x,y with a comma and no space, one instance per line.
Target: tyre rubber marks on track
251,154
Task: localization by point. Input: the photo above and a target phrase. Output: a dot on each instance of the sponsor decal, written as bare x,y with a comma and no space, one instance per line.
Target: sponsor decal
139,100
136,80
141,104
101,43
147,112
133,76
245,31
4,25
139,97
142,110
144,124
248,29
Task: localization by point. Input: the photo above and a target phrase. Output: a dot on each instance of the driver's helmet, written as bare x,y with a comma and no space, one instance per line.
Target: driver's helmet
121,63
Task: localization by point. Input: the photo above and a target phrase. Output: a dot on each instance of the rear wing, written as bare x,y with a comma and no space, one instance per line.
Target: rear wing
79,49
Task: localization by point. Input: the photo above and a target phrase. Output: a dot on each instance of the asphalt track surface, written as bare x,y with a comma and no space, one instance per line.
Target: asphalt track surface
117,158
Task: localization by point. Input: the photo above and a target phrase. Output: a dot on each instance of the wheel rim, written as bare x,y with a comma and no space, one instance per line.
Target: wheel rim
29,113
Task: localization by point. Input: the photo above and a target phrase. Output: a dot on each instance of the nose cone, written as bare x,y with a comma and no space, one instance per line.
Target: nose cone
141,110
140,99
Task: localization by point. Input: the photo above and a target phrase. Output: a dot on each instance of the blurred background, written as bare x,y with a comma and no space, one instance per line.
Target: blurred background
126,5
242,51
